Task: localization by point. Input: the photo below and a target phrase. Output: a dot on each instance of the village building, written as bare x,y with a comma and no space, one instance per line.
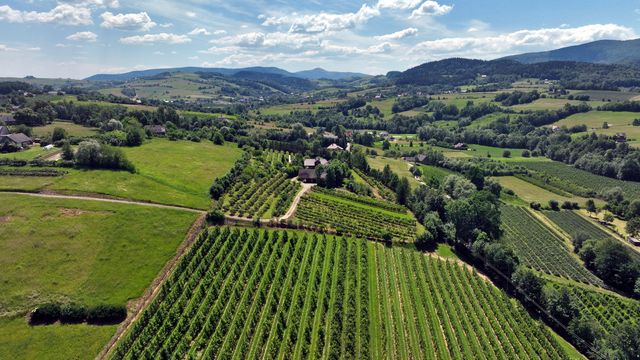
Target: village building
156,130
20,140
7,119
620,137
460,146
335,147
309,173
313,163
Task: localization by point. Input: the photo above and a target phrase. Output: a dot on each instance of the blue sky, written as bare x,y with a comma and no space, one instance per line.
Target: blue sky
78,38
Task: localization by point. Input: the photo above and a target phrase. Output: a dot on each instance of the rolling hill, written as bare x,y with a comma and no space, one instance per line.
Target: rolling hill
597,52
314,74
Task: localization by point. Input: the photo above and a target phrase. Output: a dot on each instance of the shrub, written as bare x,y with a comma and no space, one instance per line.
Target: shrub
106,314
215,217
73,314
535,205
45,314
553,205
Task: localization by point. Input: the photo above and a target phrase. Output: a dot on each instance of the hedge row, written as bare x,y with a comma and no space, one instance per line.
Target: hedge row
76,313
31,172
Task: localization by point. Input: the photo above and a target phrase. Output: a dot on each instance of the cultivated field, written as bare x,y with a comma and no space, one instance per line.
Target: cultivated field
539,248
250,294
355,215
532,193
76,251
583,178
573,224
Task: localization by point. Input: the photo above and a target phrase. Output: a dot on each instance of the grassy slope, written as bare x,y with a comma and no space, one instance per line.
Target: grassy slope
71,128
90,256
177,173
398,166
529,192
28,154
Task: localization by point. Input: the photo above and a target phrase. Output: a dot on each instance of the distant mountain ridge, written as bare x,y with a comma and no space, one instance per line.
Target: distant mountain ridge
598,52
314,74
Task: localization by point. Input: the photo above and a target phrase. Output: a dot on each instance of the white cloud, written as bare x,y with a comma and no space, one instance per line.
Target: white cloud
220,32
156,38
63,14
195,57
200,31
83,36
431,8
523,40
134,21
398,34
158,53
6,48
329,47
398,4
97,3
165,26
324,22
191,14
258,39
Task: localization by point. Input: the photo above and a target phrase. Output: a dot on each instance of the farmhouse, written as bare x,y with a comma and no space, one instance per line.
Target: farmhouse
22,141
312,163
460,146
335,147
4,130
7,119
620,137
310,175
156,130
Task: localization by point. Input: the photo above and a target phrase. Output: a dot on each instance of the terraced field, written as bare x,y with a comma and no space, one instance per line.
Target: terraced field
539,248
242,294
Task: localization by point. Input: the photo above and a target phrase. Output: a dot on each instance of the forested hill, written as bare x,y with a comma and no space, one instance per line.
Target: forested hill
598,52
576,75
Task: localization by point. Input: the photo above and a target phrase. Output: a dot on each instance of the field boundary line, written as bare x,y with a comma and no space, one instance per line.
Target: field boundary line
154,288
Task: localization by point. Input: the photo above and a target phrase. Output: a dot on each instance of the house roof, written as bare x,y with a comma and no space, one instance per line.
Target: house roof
7,118
307,174
19,138
4,130
315,162
421,157
334,146
156,128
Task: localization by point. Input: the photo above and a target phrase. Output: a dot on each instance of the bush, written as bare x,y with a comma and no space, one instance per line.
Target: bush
106,314
535,205
45,314
73,314
553,205
215,217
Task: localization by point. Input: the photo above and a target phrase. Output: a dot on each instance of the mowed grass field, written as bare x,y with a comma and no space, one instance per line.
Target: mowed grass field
72,250
29,154
398,166
288,108
619,122
73,130
175,173
532,193
262,294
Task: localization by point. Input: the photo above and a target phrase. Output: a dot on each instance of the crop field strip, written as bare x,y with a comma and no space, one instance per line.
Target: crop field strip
327,211
572,224
608,310
241,294
273,190
582,178
541,249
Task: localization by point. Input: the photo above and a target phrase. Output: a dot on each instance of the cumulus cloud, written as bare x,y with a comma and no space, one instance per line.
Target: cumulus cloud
523,40
96,3
6,48
156,38
398,34
259,39
431,8
323,22
83,36
63,14
200,31
220,32
398,4
134,21
329,47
